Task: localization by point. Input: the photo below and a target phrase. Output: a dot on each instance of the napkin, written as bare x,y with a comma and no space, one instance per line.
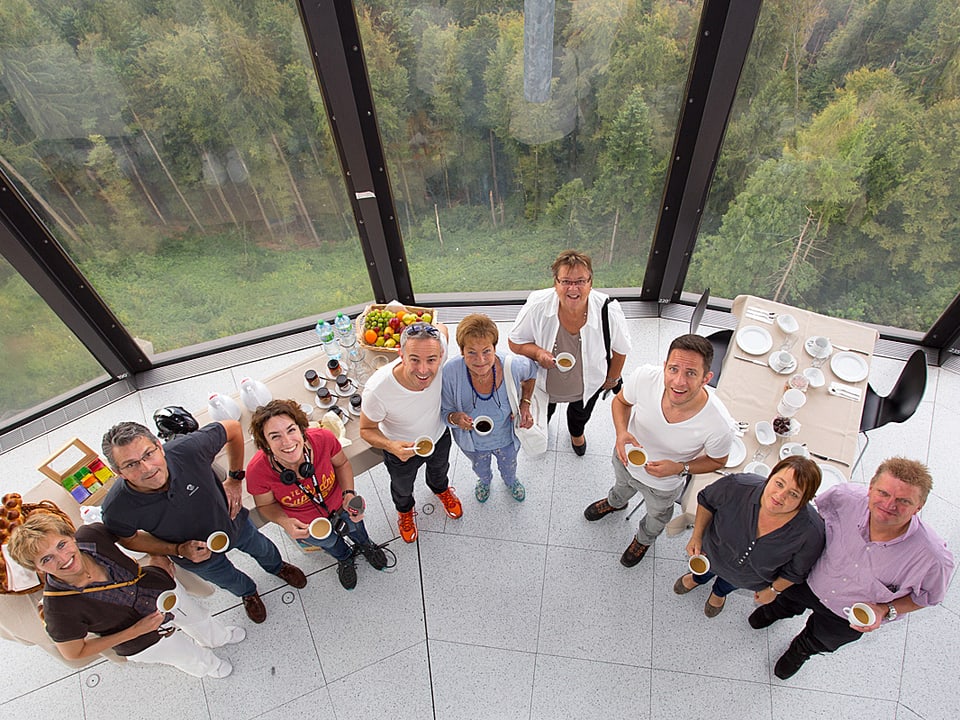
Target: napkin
845,389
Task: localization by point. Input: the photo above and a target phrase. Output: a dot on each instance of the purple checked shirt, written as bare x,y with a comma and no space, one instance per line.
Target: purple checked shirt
853,569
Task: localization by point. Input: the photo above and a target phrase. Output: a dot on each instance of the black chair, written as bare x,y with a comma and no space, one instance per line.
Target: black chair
720,339
900,404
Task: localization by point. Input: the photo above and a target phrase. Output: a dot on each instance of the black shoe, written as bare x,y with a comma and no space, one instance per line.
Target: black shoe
374,555
292,575
762,617
580,450
791,661
634,553
598,509
347,572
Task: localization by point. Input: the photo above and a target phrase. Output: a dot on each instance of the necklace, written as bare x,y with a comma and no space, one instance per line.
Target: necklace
493,387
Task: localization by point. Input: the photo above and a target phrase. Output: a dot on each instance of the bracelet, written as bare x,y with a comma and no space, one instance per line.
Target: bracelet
176,550
344,492
775,591
526,400
615,379
449,421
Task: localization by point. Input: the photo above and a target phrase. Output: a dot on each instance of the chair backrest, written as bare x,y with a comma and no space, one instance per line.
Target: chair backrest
904,398
720,341
699,310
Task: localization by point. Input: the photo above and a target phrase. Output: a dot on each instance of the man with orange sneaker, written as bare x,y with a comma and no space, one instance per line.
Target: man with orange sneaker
401,409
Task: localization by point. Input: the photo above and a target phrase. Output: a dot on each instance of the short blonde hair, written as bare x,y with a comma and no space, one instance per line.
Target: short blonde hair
912,472
570,259
25,539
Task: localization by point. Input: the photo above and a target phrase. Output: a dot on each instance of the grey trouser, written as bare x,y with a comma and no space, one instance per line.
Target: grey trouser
659,503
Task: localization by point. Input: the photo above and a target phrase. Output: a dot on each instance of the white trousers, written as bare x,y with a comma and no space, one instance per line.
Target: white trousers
188,648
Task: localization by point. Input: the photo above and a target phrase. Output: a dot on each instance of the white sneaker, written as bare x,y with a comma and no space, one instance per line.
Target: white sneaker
222,670
237,634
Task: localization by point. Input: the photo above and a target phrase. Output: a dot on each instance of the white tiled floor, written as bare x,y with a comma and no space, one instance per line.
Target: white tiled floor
518,610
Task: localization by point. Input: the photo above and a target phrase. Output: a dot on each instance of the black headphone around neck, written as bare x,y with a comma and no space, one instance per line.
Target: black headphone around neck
291,477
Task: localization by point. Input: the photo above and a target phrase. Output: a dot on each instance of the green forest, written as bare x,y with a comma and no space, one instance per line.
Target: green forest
180,151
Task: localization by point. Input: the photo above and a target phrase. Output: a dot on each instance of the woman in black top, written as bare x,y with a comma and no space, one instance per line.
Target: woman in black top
90,586
763,535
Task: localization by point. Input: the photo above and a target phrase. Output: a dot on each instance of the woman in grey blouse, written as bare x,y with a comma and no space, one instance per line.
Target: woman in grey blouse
763,535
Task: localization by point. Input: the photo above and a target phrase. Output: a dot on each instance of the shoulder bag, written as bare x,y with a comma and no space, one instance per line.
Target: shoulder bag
533,439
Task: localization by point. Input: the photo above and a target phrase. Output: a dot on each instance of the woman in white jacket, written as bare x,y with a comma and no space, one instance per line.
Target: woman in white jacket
569,318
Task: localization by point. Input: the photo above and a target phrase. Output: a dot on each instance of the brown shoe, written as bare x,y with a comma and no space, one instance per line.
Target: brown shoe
597,510
292,575
711,611
633,554
679,588
255,608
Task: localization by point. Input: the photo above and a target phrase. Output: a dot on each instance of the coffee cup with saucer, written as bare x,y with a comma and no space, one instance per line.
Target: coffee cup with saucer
782,362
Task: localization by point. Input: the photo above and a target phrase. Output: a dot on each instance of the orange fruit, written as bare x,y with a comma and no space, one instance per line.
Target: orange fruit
370,336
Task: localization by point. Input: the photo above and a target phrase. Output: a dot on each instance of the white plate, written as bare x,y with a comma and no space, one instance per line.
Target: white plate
785,371
765,433
325,406
754,340
350,409
812,349
319,385
787,449
831,477
788,323
815,376
755,466
849,366
738,453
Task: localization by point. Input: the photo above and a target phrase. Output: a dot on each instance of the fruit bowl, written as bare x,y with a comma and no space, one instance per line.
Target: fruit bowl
379,326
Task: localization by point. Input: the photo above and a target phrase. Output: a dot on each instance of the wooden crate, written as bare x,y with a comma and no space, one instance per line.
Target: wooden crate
71,459
361,318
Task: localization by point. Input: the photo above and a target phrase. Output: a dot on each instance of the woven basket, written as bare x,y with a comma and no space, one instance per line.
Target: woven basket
361,318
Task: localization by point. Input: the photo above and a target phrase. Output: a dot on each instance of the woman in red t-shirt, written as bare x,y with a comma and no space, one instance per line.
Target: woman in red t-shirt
300,474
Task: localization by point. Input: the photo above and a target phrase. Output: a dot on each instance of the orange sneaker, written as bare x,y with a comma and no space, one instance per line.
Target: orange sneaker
407,525
451,503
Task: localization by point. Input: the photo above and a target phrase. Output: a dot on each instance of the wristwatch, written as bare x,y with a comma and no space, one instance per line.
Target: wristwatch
236,474
686,469
891,612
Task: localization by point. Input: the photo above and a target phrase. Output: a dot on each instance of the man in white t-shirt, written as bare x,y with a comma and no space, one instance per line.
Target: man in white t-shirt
401,403
683,429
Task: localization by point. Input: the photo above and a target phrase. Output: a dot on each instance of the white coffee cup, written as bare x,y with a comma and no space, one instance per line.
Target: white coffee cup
791,402
565,362
699,564
860,614
320,528
782,360
423,446
636,456
820,345
218,542
167,601
483,425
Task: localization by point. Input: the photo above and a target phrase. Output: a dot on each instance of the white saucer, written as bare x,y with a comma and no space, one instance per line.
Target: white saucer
325,406
319,385
351,389
783,371
787,449
355,413
811,349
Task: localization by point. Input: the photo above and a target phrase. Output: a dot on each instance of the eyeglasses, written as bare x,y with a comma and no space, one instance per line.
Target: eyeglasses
129,467
574,283
420,329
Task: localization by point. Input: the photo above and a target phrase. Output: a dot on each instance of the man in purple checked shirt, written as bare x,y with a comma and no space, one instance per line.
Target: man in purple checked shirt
878,552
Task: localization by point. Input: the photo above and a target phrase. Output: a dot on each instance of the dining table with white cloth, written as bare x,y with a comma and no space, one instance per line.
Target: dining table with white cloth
829,421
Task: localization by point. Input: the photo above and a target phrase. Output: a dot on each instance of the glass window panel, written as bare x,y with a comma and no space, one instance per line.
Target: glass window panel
512,134
180,152
836,188
40,359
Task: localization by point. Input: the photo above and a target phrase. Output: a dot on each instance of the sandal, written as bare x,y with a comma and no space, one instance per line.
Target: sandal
481,491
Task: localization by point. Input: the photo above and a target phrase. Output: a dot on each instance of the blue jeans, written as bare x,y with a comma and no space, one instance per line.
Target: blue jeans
221,572
506,463
721,588
335,545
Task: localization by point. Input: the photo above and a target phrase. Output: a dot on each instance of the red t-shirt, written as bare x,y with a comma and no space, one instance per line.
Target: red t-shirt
263,478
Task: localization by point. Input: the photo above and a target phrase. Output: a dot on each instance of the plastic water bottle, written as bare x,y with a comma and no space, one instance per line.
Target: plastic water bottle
328,340
254,393
345,332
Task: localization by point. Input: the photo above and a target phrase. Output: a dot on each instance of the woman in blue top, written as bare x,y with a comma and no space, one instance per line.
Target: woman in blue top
473,386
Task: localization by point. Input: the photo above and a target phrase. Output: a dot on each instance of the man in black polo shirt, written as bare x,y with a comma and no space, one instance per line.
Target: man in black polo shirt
170,501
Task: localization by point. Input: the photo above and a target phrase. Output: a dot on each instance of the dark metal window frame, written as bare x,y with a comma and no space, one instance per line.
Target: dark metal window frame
332,33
